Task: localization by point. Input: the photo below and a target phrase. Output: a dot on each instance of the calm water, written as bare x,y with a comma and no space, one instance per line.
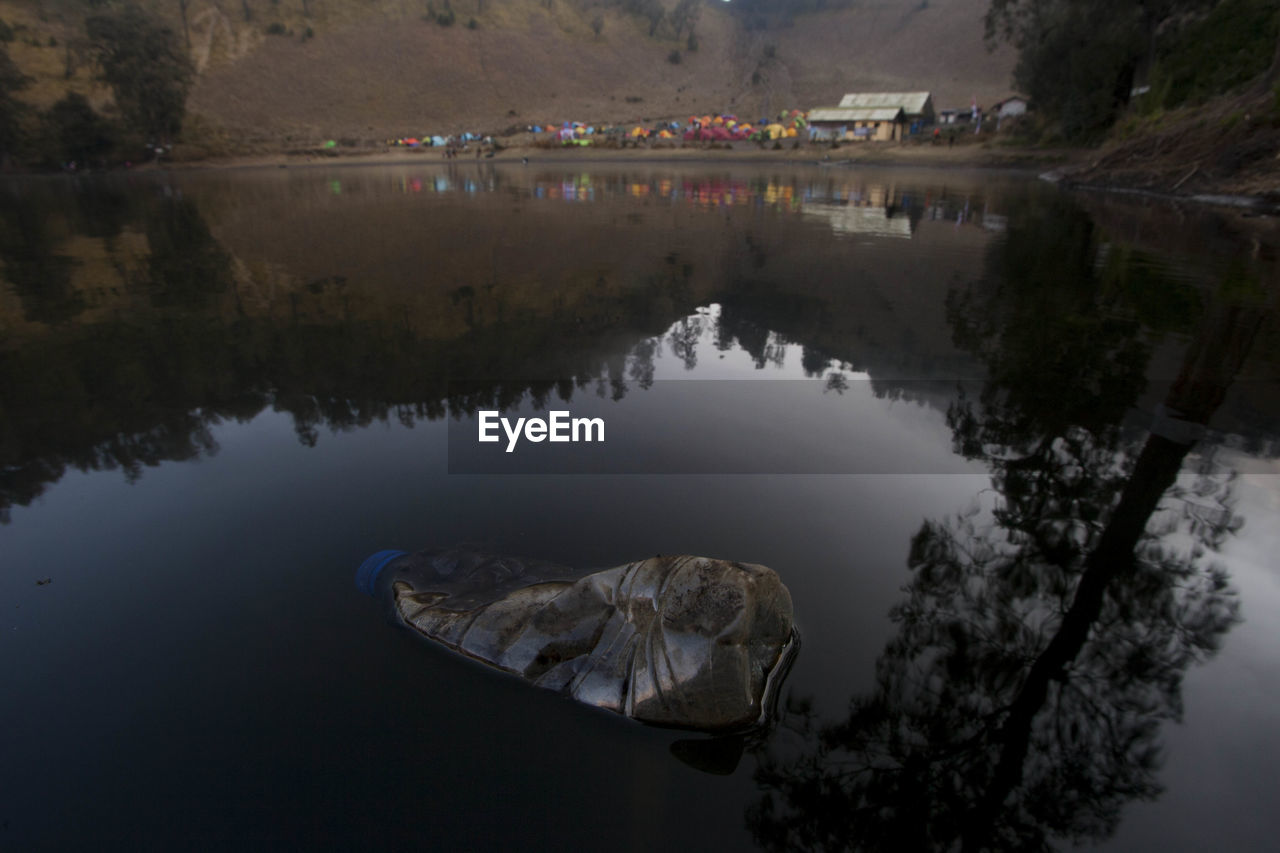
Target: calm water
1013,452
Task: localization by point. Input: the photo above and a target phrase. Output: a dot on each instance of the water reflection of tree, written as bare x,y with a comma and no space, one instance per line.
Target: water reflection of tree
40,274
1041,642
133,389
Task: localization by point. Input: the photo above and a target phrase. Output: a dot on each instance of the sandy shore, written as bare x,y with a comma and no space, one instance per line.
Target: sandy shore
911,154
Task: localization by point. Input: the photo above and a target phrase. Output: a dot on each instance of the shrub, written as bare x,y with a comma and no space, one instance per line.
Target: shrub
674,57
73,131
275,29
1226,48
149,72
471,24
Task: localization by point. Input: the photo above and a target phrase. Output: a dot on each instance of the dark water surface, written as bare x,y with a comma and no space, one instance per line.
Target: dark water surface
1013,452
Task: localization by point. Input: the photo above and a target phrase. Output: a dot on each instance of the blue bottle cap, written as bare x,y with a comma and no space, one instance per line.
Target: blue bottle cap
367,574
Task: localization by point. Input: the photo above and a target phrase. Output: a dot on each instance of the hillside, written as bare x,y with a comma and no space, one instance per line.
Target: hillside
1228,146
368,71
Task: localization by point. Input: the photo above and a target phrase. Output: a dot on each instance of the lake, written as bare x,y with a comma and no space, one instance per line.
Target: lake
1013,451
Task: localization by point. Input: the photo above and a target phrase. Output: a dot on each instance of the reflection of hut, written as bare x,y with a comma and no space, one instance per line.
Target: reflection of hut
865,221
882,124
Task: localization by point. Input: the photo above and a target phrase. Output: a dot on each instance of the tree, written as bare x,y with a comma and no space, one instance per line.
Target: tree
74,131
186,27
148,72
1077,59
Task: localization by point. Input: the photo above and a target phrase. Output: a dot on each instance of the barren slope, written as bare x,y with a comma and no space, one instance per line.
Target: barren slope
387,75
374,69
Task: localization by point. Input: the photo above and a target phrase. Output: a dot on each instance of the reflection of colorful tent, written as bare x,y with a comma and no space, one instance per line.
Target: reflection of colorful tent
438,140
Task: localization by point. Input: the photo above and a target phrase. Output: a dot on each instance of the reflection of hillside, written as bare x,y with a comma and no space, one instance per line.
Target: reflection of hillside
137,316
186,336
510,243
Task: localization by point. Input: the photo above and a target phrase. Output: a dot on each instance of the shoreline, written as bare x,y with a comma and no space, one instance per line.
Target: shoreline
1064,162
964,156
1056,166
1255,205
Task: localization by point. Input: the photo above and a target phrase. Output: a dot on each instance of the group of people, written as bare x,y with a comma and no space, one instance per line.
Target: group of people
485,147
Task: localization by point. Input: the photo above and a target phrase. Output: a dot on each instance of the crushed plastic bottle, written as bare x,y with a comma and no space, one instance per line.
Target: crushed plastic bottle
683,641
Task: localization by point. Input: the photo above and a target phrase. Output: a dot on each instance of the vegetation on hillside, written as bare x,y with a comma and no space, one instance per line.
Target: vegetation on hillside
132,52
1225,49
147,69
1080,60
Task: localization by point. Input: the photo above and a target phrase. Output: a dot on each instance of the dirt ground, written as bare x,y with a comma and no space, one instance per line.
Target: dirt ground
1229,147
961,156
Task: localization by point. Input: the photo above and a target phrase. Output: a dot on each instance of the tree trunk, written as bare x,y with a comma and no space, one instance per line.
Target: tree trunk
186,28
1273,73
1212,360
